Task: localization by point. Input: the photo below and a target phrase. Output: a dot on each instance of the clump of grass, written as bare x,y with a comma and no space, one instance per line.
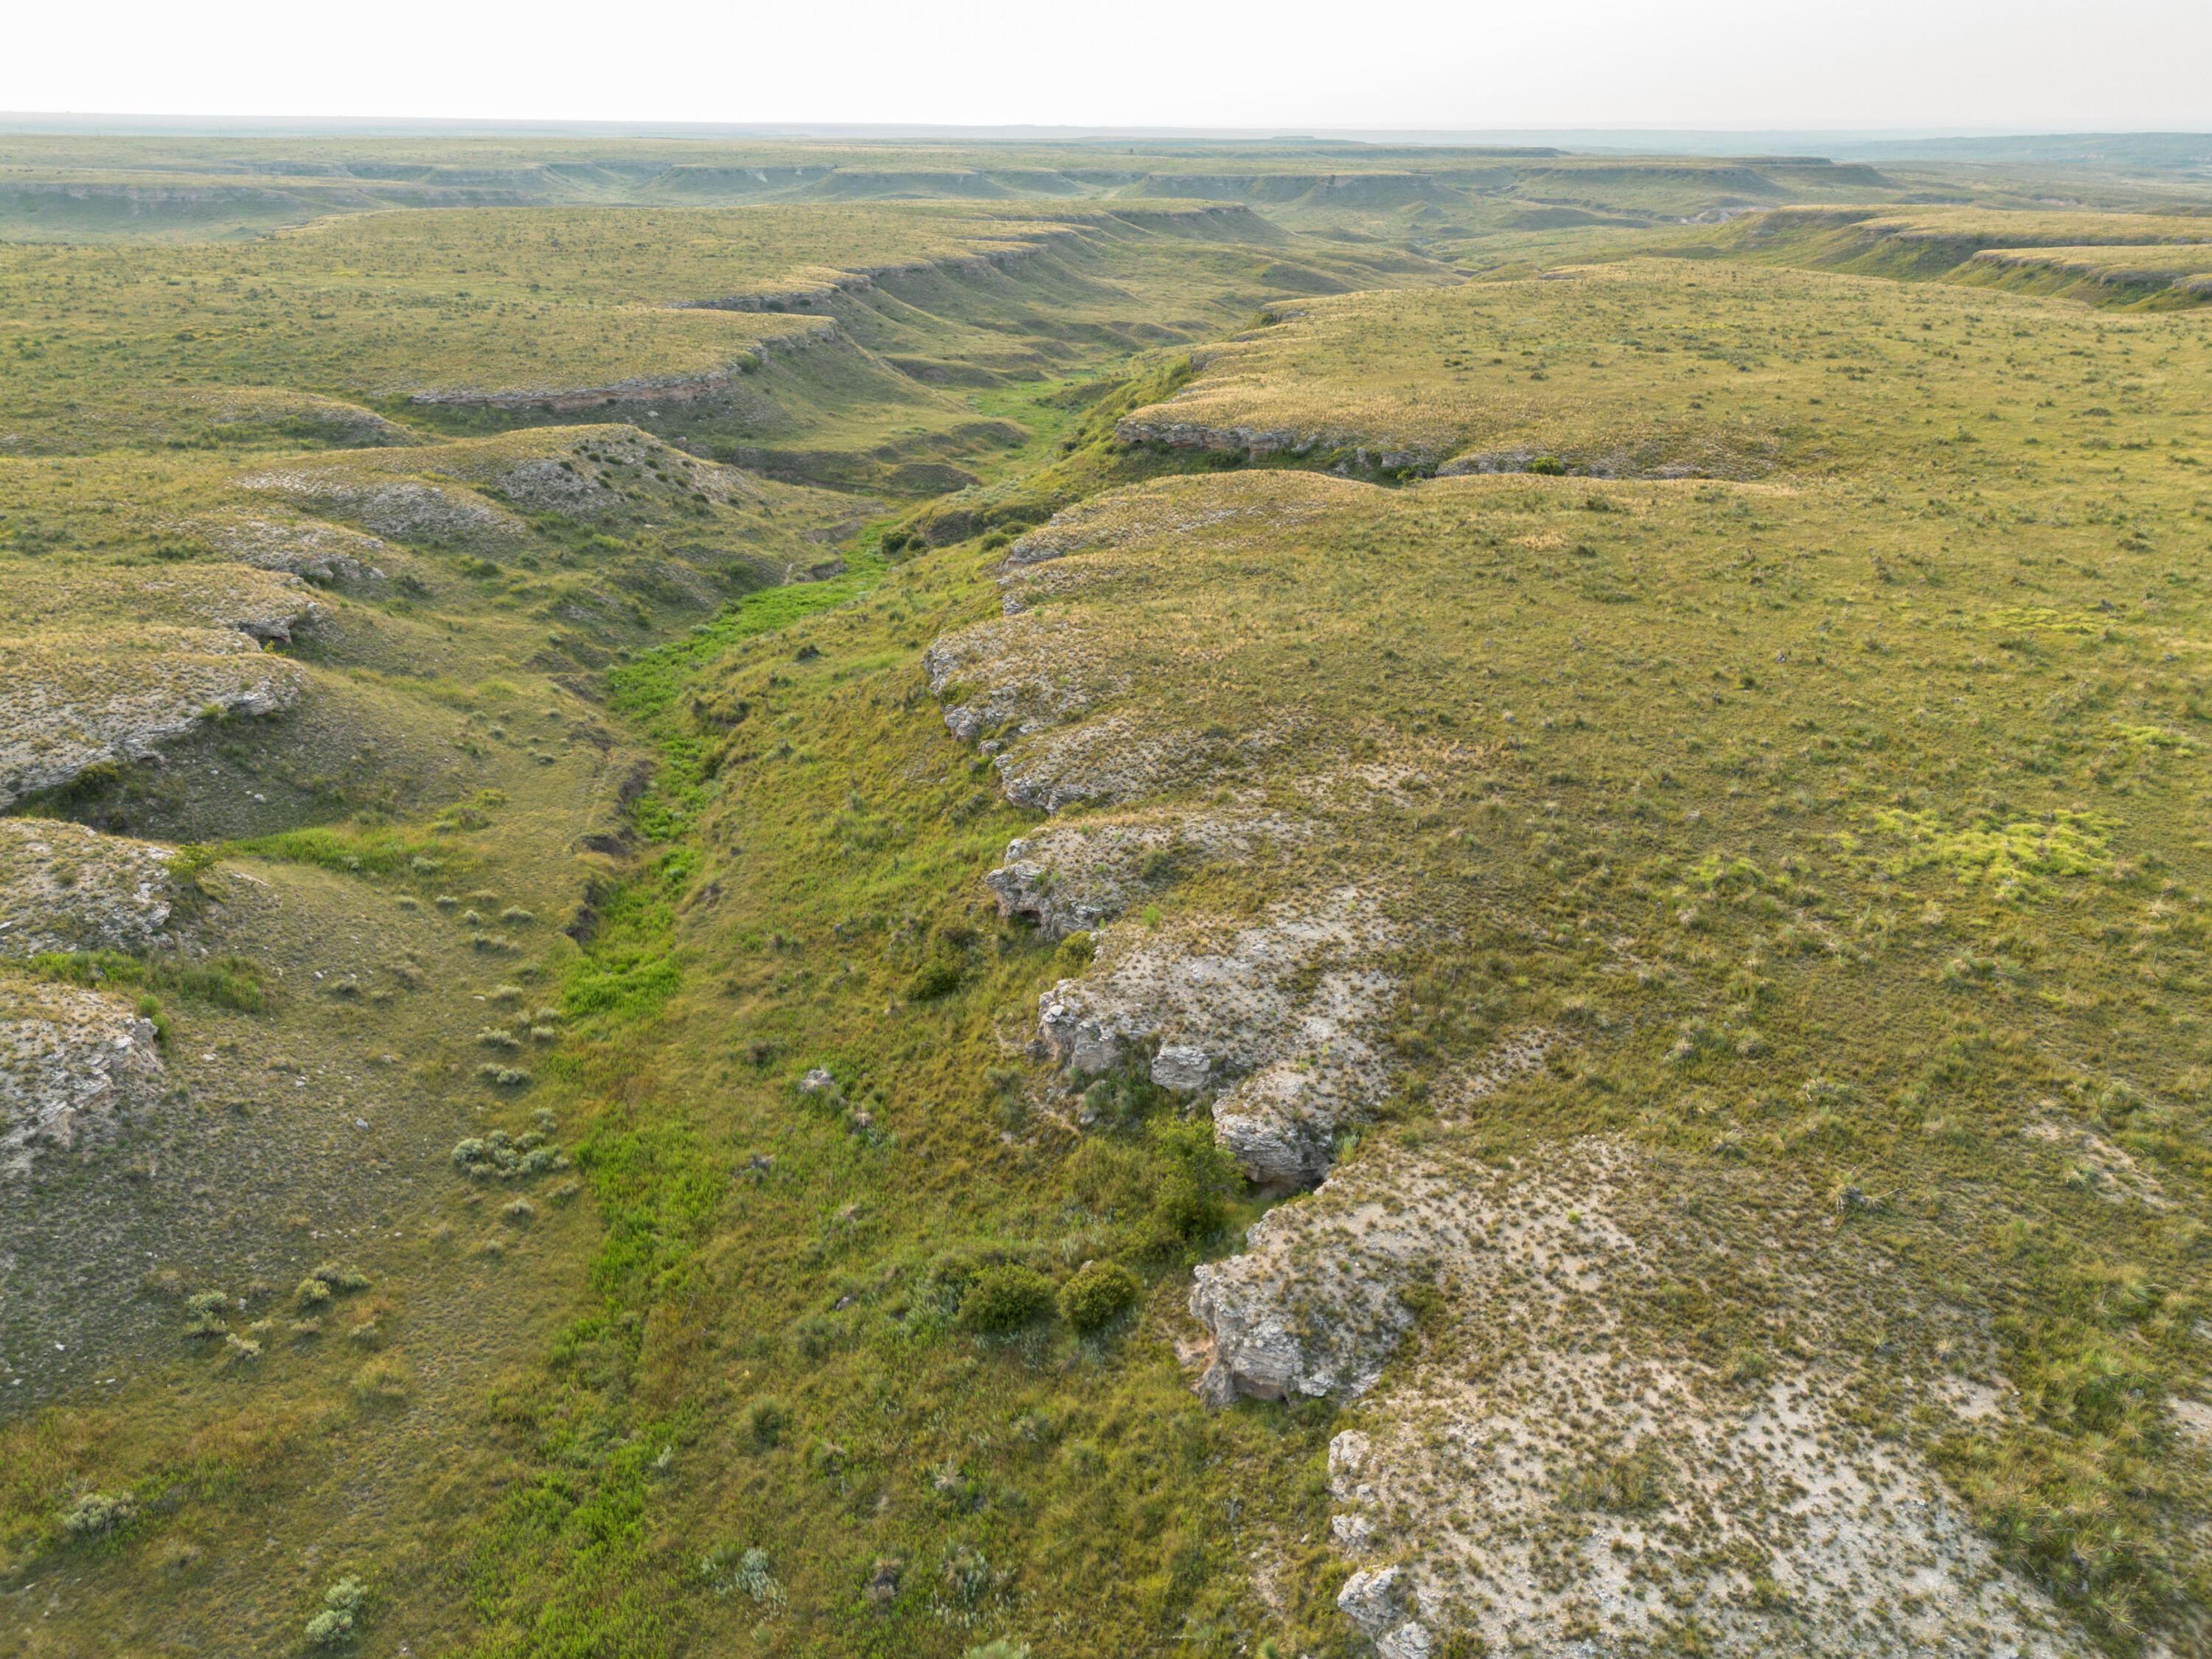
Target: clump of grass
227,982
383,1381
763,1422
1635,1482
728,1571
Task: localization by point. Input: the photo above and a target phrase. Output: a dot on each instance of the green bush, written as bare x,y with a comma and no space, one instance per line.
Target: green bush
935,978
1006,1298
1099,1295
342,1606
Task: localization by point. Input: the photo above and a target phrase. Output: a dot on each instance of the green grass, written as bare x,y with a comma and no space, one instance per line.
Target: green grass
1842,808
1644,368
233,983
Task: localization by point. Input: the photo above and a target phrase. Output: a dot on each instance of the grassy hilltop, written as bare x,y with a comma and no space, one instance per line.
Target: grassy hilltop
1233,900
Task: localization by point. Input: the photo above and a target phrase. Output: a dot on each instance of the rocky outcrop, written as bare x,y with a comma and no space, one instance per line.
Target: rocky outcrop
72,1063
1558,1455
1073,878
1158,428
64,887
577,479
70,702
1314,1304
1380,1602
1013,677
89,596
1035,687
407,509
327,553
1282,1017
330,419
1609,464
1109,761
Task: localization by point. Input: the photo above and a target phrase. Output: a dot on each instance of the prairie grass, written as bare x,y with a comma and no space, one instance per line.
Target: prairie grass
1841,805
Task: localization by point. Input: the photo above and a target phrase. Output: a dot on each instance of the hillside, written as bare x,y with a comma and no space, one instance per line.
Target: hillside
905,900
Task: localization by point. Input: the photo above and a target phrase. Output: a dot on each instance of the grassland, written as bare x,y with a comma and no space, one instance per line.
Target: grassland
812,342
78,189
2141,260
1193,941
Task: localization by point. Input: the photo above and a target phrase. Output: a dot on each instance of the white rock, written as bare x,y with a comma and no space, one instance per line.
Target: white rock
1182,1067
1375,1598
1352,1533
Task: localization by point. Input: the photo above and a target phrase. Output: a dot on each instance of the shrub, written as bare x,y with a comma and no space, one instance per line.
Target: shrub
1006,1298
934,978
342,1606
1099,1295
1121,1099
207,1309
347,1595
99,1512
328,1628
1189,1202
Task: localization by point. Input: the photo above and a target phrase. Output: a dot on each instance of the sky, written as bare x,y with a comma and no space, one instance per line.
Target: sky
1290,66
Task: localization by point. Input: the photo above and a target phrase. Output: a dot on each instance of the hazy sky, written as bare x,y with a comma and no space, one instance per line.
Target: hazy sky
1954,65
